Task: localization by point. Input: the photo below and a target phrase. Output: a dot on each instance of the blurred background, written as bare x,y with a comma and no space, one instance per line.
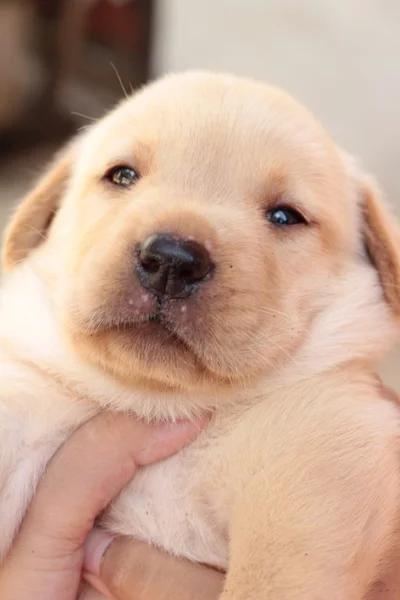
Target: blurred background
64,63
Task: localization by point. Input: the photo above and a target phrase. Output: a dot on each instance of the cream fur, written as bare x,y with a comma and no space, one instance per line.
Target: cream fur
294,486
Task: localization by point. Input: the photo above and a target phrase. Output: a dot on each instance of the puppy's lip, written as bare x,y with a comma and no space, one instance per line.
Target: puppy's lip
156,319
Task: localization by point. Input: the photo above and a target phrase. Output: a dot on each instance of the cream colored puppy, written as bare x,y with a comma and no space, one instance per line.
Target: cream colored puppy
207,247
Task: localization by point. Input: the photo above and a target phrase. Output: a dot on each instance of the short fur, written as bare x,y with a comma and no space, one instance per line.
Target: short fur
294,487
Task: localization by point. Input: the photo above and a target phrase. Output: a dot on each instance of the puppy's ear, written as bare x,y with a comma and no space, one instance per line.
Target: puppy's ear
28,227
381,238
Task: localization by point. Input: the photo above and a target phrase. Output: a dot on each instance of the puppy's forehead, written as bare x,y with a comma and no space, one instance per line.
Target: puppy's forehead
219,126
212,110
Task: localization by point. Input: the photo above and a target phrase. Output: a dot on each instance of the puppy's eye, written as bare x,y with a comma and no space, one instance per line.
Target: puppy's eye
122,175
284,216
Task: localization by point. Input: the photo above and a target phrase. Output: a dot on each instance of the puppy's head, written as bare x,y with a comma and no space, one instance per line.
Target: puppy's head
192,236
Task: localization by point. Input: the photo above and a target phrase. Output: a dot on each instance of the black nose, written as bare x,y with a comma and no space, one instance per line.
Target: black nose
172,267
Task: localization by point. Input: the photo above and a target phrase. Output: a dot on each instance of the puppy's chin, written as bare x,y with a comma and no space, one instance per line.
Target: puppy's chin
146,354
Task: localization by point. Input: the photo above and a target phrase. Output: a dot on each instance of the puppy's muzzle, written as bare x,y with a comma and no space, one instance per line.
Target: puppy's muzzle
170,267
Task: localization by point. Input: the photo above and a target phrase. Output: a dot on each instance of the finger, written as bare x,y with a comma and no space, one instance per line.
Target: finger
133,570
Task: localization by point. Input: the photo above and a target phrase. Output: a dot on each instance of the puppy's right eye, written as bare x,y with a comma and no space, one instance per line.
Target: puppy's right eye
122,175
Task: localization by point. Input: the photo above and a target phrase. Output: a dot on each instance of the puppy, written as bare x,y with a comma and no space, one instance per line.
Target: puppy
207,247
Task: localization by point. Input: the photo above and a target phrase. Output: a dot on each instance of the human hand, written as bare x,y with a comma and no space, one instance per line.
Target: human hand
45,562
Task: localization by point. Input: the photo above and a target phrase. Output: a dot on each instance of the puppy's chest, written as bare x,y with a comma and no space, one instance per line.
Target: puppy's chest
175,505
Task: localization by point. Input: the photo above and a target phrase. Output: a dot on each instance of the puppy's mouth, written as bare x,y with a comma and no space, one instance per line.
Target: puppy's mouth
157,318
155,327
159,326
157,332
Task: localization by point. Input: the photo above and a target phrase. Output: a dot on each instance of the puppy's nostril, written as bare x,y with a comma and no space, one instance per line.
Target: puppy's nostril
170,266
189,273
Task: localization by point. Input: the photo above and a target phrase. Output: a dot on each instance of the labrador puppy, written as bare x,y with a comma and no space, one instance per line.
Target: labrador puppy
207,247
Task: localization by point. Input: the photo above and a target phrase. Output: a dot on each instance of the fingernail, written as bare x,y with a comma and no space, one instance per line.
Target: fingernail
96,545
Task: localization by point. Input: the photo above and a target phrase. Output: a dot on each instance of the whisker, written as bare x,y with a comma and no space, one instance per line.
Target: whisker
78,114
273,312
37,231
119,79
285,352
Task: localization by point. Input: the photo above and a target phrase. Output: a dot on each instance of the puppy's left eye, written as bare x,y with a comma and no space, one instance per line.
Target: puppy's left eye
284,216
122,175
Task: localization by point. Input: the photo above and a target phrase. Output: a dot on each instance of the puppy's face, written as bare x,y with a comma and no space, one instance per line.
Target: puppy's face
204,225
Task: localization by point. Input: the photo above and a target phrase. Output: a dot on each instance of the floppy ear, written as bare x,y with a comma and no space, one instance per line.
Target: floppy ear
28,227
381,237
